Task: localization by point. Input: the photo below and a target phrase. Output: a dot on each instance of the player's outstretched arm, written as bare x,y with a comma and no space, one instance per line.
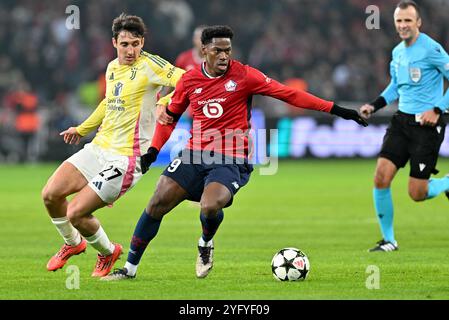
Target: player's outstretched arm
348,114
94,120
71,136
261,84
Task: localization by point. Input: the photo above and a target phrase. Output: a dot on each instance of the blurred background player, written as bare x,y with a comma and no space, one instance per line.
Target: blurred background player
193,57
23,103
211,172
110,165
418,67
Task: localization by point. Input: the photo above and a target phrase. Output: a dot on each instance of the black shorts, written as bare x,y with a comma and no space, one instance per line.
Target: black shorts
407,139
192,173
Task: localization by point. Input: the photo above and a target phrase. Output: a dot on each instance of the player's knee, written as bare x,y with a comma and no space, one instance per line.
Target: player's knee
45,194
50,196
157,207
210,207
381,181
417,194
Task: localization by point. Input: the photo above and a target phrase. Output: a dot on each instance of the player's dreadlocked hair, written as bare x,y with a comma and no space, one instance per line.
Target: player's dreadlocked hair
132,24
216,32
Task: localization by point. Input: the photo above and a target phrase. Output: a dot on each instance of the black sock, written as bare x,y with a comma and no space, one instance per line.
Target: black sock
210,225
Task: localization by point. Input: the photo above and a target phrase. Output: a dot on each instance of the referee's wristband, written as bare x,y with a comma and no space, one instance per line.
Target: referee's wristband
437,110
379,103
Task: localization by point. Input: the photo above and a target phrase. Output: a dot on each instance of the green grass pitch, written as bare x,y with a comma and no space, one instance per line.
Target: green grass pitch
322,207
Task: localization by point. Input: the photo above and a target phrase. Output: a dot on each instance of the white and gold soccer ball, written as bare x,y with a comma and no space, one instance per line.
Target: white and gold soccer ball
290,264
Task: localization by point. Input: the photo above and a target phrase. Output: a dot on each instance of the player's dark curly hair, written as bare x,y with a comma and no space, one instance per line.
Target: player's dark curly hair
216,32
132,24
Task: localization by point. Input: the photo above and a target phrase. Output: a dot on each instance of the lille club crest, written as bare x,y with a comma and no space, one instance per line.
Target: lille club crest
230,86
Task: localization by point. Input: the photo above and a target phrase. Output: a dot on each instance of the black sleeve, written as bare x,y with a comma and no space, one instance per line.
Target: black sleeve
379,103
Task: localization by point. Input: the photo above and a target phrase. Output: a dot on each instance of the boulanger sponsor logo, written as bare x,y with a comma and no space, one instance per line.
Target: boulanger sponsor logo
218,100
213,110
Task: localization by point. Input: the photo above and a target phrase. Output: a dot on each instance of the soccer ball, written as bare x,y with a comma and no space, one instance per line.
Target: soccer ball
290,264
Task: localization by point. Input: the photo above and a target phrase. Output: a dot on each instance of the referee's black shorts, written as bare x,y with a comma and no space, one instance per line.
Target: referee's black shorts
406,139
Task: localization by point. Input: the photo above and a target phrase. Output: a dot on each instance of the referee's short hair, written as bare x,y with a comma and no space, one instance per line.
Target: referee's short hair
404,4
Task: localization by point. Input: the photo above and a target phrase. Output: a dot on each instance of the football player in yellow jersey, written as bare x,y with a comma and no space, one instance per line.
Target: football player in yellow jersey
111,164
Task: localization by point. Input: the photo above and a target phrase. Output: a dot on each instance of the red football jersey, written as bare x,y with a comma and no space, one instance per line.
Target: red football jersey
187,60
221,107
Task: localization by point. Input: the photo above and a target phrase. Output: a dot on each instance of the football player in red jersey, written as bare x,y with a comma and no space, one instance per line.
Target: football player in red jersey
193,57
214,165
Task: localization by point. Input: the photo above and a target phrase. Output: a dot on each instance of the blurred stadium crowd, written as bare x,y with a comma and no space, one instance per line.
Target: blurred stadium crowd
52,77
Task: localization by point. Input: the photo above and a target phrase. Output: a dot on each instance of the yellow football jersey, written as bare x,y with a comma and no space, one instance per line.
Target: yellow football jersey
127,113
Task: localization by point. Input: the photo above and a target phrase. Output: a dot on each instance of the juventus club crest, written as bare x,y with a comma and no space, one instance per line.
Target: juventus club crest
133,73
415,74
